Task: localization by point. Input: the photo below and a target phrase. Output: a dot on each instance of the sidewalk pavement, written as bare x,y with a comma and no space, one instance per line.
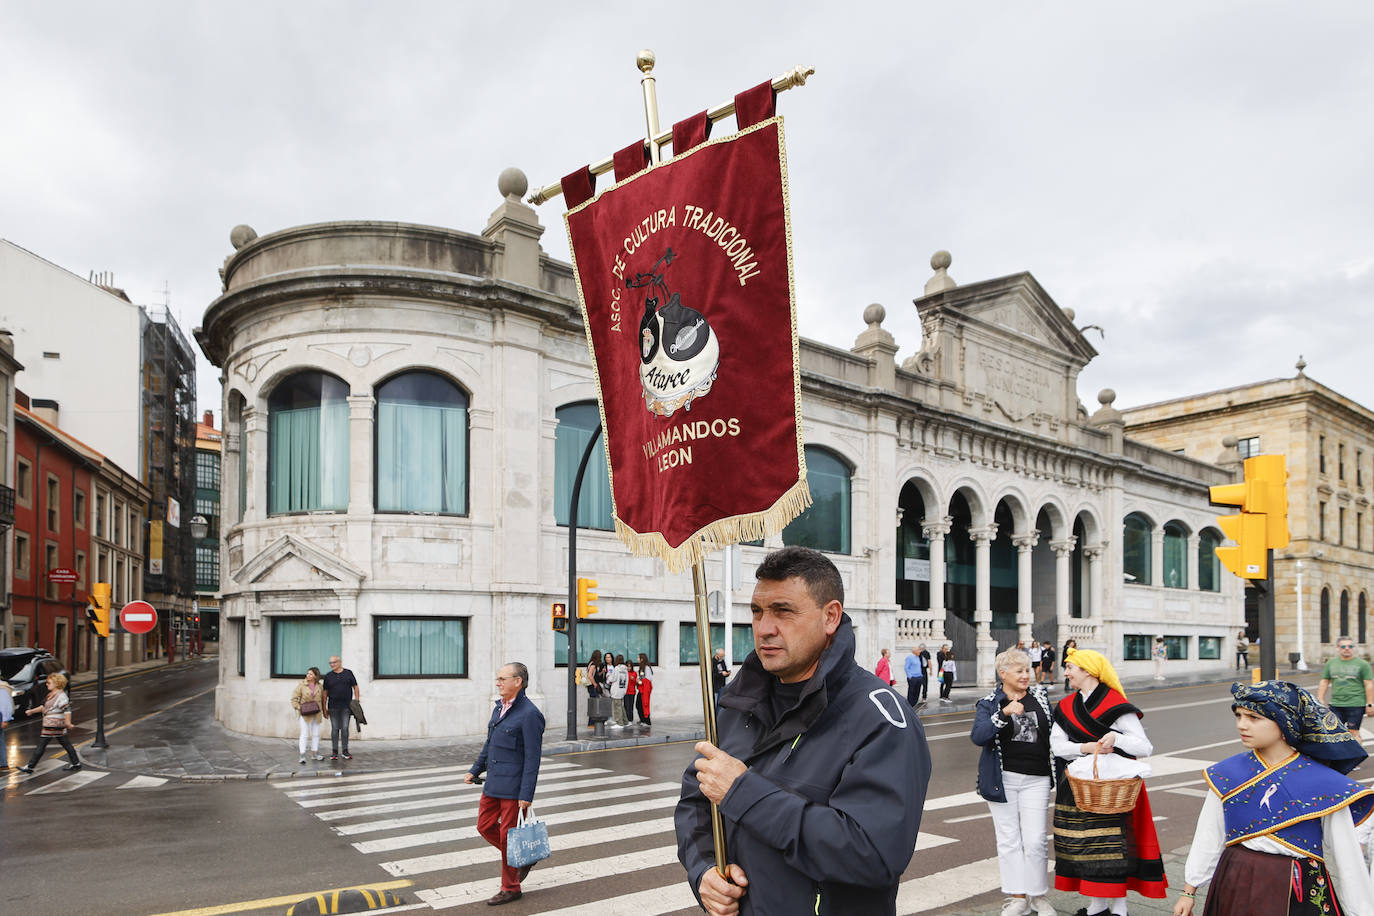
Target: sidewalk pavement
186,742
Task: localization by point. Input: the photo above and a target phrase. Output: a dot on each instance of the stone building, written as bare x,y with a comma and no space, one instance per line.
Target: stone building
404,408
1324,580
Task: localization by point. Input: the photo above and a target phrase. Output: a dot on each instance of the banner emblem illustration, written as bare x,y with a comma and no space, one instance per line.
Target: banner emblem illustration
684,274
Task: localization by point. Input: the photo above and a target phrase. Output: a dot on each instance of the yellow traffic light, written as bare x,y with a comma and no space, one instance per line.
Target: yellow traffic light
1263,521
98,614
586,597
560,616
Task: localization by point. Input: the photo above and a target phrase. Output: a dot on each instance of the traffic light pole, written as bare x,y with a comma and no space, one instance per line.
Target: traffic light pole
1268,651
572,583
100,741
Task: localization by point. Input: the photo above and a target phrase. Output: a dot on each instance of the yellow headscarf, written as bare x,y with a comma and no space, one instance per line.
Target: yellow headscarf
1096,664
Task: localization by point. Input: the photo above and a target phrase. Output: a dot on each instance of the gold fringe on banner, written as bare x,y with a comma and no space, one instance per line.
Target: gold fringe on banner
722,533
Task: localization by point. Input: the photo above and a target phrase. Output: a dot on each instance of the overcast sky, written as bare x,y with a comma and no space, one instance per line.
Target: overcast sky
1197,178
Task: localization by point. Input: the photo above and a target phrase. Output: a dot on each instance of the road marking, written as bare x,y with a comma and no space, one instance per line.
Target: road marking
143,782
264,902
69,783
380,790
653,902
940,890
541,878
1194,791
971,817
355,783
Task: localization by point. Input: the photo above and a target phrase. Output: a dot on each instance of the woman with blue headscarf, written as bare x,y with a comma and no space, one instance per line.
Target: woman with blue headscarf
1277,832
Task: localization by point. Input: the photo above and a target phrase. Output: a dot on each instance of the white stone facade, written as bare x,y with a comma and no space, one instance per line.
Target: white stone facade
987,410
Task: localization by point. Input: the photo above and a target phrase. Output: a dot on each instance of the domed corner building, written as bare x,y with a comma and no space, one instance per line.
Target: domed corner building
405,408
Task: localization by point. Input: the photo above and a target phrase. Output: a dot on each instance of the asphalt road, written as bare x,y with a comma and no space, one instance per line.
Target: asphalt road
123,844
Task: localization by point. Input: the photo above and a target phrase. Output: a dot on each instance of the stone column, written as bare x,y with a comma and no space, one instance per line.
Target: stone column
935,532
1025,609
1063,586
360,453
986,646
1190,562
255,441
1093,599
1156,557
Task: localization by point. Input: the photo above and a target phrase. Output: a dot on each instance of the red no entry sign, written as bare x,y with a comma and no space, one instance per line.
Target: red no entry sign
138,617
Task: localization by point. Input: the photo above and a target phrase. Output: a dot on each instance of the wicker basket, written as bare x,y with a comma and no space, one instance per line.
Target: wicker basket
1105,796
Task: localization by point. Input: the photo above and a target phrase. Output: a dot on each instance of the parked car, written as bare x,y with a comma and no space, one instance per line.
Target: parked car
26,671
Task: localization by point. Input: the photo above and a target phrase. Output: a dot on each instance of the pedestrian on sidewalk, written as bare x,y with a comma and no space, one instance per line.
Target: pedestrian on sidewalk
1046,664
57,718
1016,774
1351,684
1160,653
1102,856
1069,646
1034,651
620,684
947,671
340,688
308,701
6,714
884,667
646,687
820,771
915,671
515,738
719,672
1242,651
631,692
1276,834
607,665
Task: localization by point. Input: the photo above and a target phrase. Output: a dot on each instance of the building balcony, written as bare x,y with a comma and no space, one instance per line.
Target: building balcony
6,507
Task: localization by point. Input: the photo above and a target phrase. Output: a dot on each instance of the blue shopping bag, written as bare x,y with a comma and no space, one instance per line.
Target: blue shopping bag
528,841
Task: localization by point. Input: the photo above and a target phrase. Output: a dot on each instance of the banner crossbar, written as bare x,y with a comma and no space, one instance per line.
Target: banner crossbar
792,78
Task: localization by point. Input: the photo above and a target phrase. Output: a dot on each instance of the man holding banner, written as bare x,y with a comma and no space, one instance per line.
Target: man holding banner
822,769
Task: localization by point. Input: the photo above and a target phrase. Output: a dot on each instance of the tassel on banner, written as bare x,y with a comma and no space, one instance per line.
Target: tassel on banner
722,533
579,186
690,132
755,105
632,160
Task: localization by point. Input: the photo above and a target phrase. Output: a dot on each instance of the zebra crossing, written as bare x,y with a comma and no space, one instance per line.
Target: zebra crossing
39,783
421,824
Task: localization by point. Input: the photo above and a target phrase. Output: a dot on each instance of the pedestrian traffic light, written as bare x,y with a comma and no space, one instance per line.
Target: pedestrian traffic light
98,613
1262,524
586,597
560,616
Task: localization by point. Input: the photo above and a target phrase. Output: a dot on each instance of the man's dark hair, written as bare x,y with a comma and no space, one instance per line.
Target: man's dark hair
811,566
521,672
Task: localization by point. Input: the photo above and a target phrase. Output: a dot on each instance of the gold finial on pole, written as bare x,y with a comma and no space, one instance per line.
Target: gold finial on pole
646,60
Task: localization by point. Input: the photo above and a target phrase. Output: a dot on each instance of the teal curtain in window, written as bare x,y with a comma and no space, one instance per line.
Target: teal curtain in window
1135,549
299,643
825,525
421,458
623,638
1175,557
421,647
1208,566
742,642
576,423
309,463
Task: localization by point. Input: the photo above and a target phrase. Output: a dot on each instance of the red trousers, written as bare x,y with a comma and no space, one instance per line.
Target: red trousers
496,816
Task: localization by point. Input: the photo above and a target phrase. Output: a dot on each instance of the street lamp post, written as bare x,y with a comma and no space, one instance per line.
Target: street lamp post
200,527
1302,662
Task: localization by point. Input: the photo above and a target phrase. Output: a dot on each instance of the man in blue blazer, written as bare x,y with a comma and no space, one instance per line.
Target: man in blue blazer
515,736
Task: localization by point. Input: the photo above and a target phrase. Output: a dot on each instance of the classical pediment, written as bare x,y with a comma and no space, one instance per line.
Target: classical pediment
291,562
1018,308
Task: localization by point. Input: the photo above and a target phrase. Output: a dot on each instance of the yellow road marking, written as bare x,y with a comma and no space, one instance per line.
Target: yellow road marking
264,902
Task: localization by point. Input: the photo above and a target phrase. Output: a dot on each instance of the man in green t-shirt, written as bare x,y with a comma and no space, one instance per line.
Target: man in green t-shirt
1351,682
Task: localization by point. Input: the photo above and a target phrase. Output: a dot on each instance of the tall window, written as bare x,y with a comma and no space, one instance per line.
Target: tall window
1340,461
300,643
207,470
1360,619
1340,525
307,444
576,424
1175,556
1359,468
825,525
1326,615
1321,454
1208,566
421,647
79,508
619,637
1135,549
422,445
1321,521
54,504
1345,613
207,568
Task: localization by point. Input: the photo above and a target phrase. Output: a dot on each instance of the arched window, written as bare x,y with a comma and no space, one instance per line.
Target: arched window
1326,615
576,423
1208,566
1360,619
1135,549
422,445
1175,556
824,526
307,444
1345,613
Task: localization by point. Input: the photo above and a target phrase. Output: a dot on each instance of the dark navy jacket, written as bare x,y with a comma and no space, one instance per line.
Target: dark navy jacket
990,726
511,755
825,820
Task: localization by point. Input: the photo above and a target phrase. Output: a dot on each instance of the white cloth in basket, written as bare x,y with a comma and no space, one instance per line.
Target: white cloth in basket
1109,766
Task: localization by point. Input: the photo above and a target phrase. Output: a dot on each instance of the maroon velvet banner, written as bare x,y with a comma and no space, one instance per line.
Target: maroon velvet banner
685,277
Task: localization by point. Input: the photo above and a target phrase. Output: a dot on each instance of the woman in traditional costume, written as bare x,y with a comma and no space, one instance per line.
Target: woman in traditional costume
1276,836
1102,856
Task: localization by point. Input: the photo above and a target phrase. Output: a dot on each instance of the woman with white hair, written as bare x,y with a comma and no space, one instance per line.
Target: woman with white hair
1016,774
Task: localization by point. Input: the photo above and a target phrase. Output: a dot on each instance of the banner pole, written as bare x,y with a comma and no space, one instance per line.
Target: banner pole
708,696
646,61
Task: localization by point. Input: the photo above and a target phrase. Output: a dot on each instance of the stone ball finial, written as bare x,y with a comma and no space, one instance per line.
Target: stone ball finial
1070,314
941,260
645,61
874,315
1229,441
1106,396
1301,364
241,235
512,183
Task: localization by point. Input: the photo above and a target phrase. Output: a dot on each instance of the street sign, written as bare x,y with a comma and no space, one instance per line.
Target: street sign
62,574
138,617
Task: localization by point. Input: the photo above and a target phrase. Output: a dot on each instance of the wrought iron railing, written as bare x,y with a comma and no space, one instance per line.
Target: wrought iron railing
6,507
